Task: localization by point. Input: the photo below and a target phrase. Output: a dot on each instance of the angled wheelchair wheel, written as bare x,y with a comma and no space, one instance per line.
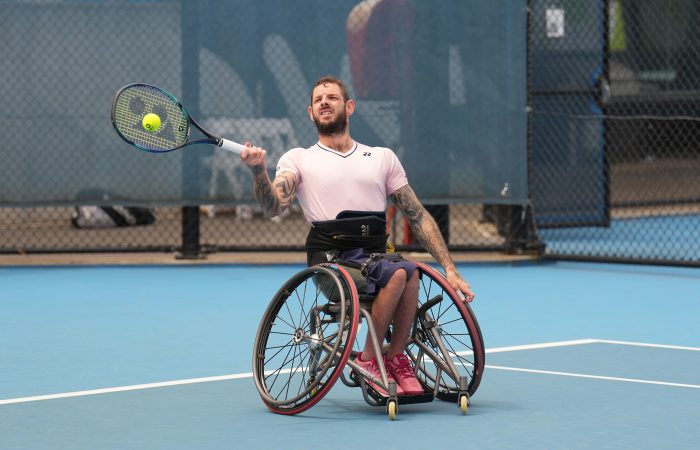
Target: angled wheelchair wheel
446,343
305,338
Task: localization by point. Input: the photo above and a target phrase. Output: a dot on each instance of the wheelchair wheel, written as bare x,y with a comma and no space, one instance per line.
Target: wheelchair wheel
446,338
305,338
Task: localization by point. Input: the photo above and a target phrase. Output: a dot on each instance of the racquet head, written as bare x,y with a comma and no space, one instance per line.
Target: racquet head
133,102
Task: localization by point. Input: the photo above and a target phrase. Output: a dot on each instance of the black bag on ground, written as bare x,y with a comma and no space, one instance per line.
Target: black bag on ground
109,216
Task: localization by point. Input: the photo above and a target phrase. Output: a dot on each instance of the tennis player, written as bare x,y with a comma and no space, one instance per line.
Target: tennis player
342,187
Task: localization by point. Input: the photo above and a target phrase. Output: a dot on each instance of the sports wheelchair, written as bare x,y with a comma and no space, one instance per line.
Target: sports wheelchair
310,334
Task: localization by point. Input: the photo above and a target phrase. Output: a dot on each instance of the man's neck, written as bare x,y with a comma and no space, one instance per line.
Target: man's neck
339,142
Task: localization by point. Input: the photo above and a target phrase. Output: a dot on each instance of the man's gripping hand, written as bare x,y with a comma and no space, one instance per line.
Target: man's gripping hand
253,156
460,285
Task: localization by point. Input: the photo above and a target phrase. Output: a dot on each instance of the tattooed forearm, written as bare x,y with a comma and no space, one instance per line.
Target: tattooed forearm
407,202
422,225
263,192
274,197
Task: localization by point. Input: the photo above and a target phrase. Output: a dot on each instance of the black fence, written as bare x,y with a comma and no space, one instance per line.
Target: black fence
564,128
614,144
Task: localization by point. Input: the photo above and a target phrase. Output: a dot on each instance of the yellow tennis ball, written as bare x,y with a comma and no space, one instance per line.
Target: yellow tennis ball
151,122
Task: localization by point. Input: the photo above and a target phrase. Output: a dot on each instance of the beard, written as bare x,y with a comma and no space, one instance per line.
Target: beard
336,126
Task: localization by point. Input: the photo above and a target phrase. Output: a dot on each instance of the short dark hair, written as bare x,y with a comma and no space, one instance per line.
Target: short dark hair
333,80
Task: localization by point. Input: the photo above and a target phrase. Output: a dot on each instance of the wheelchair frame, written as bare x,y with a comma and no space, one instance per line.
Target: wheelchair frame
306,341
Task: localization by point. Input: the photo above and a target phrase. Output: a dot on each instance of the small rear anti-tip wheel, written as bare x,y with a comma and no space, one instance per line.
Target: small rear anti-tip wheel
305,338
392,409
464,403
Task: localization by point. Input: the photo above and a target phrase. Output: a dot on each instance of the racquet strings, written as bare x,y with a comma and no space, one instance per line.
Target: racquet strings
134,102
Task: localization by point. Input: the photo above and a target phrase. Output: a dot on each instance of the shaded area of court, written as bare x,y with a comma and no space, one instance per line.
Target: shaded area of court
64,330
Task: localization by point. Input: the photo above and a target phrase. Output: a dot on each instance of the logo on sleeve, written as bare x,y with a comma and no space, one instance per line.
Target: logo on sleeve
367,154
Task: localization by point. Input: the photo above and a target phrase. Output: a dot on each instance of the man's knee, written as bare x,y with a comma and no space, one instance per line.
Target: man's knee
413,281
399,276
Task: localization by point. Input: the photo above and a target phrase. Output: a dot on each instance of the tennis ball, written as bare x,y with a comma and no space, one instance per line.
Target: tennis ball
151,122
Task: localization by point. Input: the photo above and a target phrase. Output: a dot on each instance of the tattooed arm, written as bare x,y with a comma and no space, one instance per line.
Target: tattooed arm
274,196
426,230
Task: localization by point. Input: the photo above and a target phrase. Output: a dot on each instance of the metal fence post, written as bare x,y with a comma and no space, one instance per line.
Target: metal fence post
191,248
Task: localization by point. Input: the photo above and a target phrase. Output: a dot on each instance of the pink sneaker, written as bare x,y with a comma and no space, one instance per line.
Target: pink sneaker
401,369
371,372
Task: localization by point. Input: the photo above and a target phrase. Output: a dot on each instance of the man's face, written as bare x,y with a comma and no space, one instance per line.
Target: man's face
329,110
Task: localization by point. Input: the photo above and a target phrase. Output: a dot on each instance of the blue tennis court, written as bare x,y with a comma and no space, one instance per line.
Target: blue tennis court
579,355
629,237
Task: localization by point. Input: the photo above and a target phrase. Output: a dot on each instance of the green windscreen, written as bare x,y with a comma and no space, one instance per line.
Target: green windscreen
443,84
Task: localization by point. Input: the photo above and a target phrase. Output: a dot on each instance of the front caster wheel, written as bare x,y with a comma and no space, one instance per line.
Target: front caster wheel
464,403
392,408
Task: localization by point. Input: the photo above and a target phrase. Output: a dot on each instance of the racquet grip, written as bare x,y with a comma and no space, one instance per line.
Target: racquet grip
231,146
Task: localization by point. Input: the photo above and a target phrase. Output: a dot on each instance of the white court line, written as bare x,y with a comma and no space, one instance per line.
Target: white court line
641,344
584,342
516,348
596,377
492,350
134,387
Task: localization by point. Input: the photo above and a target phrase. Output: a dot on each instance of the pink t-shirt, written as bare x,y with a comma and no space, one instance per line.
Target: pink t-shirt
329,181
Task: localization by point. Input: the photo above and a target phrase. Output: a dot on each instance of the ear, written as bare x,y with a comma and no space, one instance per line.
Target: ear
311,113
349,107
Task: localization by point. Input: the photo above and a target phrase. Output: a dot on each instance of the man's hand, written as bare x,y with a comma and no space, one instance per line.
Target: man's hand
460,285
253,156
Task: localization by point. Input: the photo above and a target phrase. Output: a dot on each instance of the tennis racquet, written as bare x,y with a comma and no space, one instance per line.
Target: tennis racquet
153,120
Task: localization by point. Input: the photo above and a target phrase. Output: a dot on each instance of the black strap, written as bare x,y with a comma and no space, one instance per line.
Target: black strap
116,217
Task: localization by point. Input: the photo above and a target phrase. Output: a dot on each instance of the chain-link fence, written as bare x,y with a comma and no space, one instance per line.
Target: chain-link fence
568,123
245,71
615,149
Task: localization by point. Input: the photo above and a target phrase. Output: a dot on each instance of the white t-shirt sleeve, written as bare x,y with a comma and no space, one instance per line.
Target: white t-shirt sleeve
396,175
287,163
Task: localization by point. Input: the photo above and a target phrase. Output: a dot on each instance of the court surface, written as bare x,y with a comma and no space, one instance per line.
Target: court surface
579,355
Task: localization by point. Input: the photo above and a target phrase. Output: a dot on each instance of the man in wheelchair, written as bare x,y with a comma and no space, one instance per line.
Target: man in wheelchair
342,187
